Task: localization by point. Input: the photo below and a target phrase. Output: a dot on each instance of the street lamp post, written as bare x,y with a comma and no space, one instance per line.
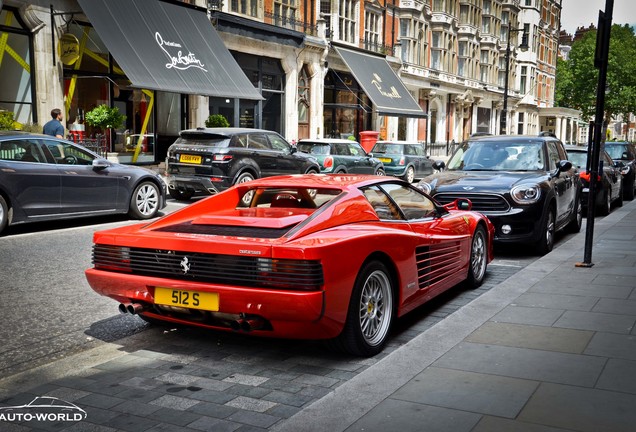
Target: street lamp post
504,111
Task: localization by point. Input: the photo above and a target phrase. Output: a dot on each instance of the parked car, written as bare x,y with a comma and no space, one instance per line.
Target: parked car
624,154
609,186
308,256
204,161
406,160
524,184
341,156
44,178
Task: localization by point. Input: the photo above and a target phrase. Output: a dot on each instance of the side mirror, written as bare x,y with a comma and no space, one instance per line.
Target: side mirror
564,165
439,165
100,163
292,150
625,156
459,204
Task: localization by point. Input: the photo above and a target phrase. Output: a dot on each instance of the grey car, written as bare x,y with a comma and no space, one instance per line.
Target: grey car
44,178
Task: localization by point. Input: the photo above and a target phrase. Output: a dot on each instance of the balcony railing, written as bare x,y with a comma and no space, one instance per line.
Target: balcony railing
290,23
376,47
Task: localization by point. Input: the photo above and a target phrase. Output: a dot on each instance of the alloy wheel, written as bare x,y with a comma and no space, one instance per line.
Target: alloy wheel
376,308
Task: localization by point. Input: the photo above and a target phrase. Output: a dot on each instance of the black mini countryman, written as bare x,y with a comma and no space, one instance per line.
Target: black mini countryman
524,184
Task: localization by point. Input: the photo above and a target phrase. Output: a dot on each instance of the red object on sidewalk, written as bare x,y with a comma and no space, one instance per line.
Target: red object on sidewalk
77,135
368,139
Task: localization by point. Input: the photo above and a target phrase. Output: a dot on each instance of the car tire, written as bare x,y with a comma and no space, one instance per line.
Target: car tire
409,175
145,201
371,312
244,177
380,172
546,242
478,258
180,195
606,207
575,224
4,214
311,171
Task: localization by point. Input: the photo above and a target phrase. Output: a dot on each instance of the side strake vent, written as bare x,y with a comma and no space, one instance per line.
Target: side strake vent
436,263
225,230
246,271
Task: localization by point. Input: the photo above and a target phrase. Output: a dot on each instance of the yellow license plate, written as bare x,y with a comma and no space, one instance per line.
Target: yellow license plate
187,299
385,160
190,159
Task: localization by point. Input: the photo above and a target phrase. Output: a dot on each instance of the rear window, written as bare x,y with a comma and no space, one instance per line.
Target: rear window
203,139
313,148
388,148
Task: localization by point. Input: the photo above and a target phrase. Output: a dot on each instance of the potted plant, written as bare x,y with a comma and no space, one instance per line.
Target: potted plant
217,120
105,118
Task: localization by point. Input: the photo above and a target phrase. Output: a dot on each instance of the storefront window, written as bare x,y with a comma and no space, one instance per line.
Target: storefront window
347,109
16,91
88,84
267,75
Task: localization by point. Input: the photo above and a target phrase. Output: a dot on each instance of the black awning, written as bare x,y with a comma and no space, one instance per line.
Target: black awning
381,84
164,46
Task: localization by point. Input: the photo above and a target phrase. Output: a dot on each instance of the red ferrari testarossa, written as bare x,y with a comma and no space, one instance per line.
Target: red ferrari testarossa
335,257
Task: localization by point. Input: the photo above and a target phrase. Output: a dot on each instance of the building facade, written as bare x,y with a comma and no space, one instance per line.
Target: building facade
434,71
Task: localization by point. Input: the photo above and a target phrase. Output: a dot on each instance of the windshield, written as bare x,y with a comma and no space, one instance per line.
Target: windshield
497,156
578,158
616,150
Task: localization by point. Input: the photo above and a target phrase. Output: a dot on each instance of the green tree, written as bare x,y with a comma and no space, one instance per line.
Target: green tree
577,78
216,120
6,120
105,117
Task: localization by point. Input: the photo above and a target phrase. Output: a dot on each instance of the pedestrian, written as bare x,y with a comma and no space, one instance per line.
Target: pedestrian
54,126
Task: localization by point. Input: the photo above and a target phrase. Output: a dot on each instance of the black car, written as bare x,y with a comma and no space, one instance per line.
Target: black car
624,154
609,190
341,156
204,161
44,178
524,184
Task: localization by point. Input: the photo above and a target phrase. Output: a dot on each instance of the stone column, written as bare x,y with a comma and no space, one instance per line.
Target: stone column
49,78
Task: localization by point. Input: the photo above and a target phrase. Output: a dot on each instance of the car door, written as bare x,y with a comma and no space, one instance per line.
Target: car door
283,159
562,182
84,189
361,162
613,175
30,177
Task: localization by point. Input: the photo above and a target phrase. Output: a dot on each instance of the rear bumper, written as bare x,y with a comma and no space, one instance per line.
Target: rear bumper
292,314
197,185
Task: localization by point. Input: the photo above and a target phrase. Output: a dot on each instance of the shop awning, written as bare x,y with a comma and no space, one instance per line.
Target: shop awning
381,84
164,46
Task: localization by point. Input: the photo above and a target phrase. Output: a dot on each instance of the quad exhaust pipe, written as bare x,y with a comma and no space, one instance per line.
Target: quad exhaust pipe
131,308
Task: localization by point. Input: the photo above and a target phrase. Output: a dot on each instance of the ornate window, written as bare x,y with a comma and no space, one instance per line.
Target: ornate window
285,12
246,7
372,30
303,96
347,21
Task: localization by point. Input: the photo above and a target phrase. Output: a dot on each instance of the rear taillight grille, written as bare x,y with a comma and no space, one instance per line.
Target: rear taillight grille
247,271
